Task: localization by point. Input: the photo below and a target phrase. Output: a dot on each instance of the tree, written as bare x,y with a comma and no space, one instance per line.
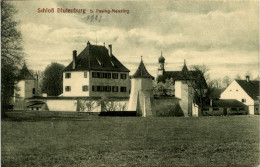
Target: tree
196,81
52,79
11,53
214,88
163,89
226,81
238,76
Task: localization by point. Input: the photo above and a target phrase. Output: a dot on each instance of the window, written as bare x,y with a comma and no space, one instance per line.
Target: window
123,89
33,91
84,88
107,88
123,76
67,75
67,88
107,75
215,109
85,74
114,88
94,88
94,75
243,100
114,75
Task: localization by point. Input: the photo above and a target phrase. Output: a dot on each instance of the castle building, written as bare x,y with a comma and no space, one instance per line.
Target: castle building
26,87
186,82
184,75
96,72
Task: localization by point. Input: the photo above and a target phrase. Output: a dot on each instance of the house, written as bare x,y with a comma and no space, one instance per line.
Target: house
218,107
95,72
245,91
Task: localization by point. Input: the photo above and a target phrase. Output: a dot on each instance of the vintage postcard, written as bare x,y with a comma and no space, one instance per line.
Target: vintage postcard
130,83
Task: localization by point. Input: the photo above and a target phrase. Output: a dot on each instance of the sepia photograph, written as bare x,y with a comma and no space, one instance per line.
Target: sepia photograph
130,83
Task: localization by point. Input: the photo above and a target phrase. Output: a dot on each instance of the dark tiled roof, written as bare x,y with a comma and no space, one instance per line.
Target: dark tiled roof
183,75
25,73
226,103
95,57
141,72
251,88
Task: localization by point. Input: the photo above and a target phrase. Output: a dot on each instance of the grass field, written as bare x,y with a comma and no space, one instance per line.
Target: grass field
135,141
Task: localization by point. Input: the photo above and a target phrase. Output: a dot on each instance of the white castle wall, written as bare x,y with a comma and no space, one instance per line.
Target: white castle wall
141,96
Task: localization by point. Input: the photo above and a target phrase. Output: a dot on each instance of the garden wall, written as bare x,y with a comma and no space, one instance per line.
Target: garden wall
167,106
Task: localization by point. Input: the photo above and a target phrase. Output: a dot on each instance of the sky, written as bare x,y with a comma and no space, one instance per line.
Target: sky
223,35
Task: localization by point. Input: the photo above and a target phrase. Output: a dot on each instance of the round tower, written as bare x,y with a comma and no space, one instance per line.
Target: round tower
161,61
141,92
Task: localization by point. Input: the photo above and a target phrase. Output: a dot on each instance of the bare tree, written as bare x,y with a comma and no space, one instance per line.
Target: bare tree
84,104
122,107
107,104
238,76
226,81
196,81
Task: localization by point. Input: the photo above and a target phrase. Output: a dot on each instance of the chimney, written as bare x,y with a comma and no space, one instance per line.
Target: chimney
247,78
74,59
210,102
88,43
110,50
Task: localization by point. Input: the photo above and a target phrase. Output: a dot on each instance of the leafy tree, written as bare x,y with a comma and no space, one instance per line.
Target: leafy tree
11,53
163,89
52,79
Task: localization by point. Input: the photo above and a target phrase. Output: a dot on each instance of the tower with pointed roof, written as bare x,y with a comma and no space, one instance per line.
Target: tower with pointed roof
141,95
161,61
26,85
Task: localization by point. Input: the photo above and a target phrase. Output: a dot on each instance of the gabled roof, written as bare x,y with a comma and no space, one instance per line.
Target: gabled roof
25,74
96,57
226,103
250,87
141,72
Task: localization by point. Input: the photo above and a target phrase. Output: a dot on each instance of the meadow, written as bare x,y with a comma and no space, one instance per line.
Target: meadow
131,141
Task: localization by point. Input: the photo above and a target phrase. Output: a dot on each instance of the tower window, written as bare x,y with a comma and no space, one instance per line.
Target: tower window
33,91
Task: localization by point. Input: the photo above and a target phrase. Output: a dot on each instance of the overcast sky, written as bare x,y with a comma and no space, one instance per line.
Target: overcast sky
222,35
